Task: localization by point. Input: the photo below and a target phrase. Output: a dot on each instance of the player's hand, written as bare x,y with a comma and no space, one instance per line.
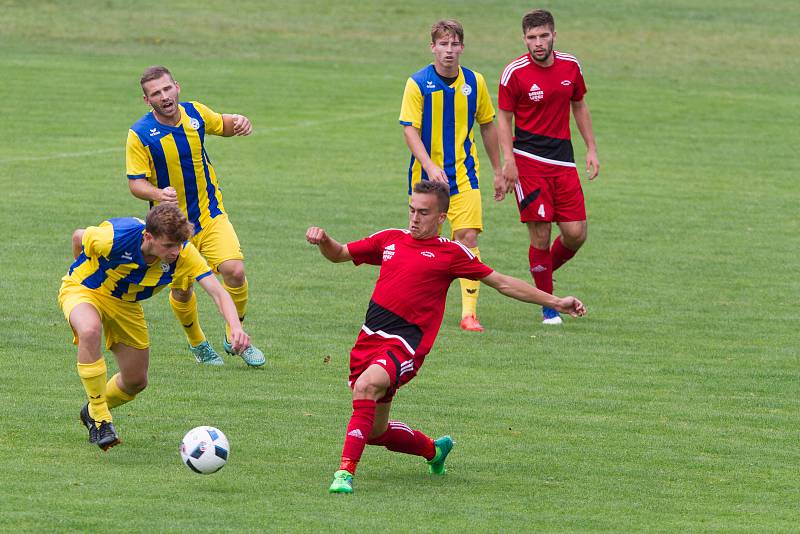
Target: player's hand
436,174
510,173
168,194
571,306
500,186
316,235
241,125
239,340
592,164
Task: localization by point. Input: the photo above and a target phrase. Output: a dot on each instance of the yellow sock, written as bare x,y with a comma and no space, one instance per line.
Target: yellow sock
239,296
93,377
114,394
186,312
469,291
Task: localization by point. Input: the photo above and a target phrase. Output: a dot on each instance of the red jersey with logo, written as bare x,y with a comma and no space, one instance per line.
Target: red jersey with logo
540,99
408,302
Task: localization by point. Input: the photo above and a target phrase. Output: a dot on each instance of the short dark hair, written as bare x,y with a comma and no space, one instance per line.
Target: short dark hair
154,73
444,27
440,189
167,220
536,18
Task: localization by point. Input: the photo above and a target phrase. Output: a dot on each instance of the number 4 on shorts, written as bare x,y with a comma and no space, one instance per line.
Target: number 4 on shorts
540,211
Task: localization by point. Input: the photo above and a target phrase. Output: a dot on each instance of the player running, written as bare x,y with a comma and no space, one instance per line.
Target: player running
117,264
537,91
403,318
166,161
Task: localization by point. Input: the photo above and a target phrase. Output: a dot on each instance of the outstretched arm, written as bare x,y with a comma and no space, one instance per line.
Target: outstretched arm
239,339
580,110
329,247
517,289
234,124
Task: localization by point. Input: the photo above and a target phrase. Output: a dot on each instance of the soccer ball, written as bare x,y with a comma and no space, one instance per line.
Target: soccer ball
205,449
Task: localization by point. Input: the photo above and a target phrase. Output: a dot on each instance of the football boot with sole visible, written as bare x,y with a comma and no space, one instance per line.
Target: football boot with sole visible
251,355
107,436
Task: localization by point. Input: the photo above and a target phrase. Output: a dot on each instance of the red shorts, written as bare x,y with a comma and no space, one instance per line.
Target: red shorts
551,198
400,366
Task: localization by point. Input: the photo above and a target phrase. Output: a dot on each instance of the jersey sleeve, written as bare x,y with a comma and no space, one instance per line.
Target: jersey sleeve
485,110
137,158
212,119
411,109
579,87
370,249
191,264
98,240
507,94
465,264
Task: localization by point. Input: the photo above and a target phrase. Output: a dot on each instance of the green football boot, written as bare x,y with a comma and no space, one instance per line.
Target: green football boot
251,355
204,353
443,447
342,482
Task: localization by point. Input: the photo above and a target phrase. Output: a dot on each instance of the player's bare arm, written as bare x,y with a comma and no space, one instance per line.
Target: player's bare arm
506,137
77,242
491,143
414,142
517,289
329,247
238,338
580,110
141,188
235,124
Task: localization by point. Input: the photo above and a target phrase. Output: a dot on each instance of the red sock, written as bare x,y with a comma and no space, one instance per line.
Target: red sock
560,253
357,433
400,438
541,268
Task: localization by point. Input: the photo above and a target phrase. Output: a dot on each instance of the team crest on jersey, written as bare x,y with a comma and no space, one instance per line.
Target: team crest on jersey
466,89
535,93
566,83
164,267
388,252
194,123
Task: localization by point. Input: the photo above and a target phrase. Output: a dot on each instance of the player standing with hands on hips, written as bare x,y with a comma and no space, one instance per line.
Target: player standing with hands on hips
403,319
166,161
537,91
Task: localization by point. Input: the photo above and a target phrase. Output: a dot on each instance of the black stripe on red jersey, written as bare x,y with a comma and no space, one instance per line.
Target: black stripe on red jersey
543,146
380,319
397,367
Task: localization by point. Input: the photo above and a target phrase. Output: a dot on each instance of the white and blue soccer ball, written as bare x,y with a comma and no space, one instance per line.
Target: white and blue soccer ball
205,449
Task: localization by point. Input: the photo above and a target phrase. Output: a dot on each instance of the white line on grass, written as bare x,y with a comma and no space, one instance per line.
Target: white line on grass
299,124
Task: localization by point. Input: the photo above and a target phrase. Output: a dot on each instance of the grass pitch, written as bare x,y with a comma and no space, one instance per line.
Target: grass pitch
672,407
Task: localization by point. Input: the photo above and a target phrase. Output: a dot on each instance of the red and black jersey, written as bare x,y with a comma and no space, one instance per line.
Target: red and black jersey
540,99
408,302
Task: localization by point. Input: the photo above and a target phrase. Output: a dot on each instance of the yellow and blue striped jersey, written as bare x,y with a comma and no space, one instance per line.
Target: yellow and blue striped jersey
112,262
176,156
445,116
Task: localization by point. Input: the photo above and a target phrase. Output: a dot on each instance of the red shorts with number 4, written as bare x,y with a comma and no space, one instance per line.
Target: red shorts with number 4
400,366
551,198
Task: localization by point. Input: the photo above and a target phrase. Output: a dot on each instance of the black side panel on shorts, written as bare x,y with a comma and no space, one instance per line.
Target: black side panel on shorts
543,146
379,318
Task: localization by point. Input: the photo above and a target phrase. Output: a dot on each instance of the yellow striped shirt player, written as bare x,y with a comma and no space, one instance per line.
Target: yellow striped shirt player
442,103
117,264
167,161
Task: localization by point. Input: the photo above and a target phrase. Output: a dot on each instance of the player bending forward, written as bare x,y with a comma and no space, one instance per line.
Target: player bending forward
117,264
403,318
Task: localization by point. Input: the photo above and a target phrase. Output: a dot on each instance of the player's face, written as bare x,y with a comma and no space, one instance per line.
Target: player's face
446,50
424,217
162,95
166,249
539,41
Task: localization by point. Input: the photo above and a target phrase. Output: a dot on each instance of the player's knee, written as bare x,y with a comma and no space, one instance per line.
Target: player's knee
576,238
89,333
135,384
467,237
368,389
233,273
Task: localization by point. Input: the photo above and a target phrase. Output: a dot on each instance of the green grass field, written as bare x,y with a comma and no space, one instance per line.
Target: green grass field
672,407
